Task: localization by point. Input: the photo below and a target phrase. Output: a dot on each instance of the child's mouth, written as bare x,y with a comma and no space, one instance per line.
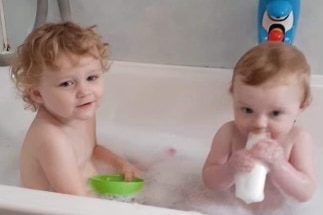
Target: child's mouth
85,105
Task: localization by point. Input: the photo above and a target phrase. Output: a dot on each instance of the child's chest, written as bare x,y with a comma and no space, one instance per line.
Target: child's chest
82,146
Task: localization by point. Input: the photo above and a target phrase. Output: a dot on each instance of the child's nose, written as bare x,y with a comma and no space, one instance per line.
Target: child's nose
82,90
260,122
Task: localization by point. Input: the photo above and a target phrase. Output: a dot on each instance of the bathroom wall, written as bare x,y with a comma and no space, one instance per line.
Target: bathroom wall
209,33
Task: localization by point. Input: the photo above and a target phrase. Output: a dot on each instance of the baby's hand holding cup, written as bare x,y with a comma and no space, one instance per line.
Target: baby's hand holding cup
268,151
241,161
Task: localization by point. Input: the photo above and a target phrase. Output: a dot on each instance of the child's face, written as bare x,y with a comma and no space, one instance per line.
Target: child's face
270,106
73,92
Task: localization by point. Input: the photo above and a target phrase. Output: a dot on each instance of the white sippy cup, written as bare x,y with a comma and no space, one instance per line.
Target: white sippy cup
249,187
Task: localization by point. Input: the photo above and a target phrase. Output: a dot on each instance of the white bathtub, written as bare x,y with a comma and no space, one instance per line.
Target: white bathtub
148,111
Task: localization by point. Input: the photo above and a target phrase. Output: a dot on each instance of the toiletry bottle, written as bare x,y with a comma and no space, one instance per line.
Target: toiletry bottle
250,186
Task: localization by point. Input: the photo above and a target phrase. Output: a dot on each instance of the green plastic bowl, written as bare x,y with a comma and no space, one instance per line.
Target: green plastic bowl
115,185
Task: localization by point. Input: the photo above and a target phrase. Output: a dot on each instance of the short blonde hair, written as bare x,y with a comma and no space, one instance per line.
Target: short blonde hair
274,61
45,45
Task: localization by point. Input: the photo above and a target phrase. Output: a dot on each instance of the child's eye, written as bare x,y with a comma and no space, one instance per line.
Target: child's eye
247,110
66,84
92,77
276,113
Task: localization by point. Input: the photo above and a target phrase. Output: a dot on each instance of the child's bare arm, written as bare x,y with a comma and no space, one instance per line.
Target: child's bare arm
217,173
294,177
106,155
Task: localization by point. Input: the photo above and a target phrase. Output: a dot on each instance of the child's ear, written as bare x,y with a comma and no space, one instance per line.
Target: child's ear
303,106
35,94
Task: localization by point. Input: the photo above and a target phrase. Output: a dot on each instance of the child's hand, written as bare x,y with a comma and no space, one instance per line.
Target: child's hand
269,152
129,171
241,162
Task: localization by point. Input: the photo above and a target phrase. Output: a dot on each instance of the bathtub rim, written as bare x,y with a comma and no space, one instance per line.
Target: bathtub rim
18,199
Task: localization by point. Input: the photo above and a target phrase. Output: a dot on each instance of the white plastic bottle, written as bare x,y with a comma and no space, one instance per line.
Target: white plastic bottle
249,187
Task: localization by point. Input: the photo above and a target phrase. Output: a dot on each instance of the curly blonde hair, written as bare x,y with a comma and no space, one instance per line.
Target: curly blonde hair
274,61
42,48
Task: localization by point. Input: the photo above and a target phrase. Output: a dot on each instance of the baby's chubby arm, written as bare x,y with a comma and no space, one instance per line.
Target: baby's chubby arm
106,155
294,177
222,164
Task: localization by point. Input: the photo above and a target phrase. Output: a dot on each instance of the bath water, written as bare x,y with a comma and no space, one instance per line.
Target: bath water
172,173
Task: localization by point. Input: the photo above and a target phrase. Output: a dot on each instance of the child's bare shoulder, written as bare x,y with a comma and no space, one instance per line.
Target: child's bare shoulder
300,135
41,134
229,124
227,128
224,134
